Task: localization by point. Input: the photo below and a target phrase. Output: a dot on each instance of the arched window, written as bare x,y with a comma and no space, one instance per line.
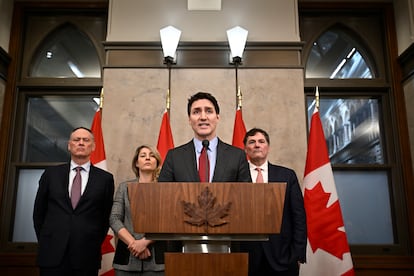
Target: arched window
336,54
66,53
60,79
346,57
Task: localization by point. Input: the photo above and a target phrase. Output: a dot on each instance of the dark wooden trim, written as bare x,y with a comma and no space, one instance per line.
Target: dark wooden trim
384,262
4,63
403,156
17,259
201,264
18,264
6,123
406,61
203,55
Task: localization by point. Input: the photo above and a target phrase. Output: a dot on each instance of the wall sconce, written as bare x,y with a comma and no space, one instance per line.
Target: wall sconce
170,37
237,38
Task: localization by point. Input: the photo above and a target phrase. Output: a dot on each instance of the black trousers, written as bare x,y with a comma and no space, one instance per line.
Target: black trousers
66,269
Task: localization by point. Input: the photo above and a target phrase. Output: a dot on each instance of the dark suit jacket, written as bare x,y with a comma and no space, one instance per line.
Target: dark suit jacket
180,165
290,245
78,232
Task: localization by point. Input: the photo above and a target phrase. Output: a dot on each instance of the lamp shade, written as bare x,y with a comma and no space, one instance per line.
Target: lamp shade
170,37
237,37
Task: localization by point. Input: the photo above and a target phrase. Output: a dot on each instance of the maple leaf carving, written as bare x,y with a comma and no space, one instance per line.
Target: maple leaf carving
207,213
323,222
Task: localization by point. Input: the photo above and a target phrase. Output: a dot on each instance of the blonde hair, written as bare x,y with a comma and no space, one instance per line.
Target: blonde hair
157,156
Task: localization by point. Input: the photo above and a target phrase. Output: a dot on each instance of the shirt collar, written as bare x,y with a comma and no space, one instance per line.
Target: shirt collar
85,166
199,144
264,166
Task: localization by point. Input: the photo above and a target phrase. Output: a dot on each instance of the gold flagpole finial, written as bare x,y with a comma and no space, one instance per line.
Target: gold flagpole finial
239,98
168,100
317,97
101,98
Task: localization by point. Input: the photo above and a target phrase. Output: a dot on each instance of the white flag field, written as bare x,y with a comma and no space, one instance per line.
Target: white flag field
327,252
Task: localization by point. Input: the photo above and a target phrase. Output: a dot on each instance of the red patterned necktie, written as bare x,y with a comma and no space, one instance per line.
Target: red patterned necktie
259,178
204,166
75,193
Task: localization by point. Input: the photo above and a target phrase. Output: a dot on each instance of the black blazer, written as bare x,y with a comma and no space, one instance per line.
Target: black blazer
289,246
78,232
180,165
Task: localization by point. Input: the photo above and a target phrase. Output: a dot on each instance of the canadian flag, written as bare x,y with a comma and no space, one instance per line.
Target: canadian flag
98,159
165,138
239,130
328,251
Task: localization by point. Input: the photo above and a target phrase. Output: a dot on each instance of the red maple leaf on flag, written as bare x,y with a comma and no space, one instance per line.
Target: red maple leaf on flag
107,246
323,223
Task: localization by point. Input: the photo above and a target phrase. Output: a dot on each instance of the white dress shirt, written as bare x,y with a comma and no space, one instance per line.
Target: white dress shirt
263,167
84,174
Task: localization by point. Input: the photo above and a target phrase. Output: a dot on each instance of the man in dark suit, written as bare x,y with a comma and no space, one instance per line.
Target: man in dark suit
283,252
226,163
70,233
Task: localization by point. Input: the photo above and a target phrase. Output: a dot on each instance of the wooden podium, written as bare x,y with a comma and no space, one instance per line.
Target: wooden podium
206,215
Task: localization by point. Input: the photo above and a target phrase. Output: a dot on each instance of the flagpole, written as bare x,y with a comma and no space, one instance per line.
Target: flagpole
239,98
169,79
168,101
317,97
101,98
237,84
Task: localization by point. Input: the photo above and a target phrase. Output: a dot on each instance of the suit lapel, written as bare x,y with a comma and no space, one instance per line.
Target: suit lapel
89,185
220,161
272,173
190,161
65,170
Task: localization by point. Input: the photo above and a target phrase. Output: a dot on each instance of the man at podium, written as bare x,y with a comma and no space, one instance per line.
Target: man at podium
221,162
283,252
205,158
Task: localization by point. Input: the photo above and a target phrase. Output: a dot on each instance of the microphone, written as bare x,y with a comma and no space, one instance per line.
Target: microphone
205,144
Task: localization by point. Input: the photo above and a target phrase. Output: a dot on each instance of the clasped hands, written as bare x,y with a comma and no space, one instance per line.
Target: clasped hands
139,248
